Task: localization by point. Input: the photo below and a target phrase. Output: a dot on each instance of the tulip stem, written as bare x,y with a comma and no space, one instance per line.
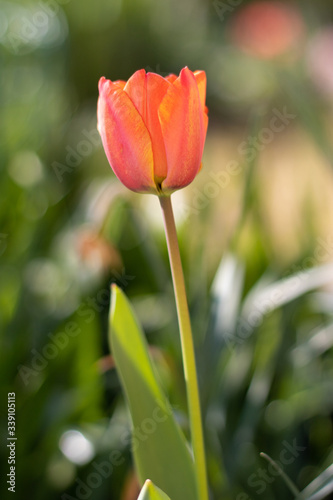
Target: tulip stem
186,337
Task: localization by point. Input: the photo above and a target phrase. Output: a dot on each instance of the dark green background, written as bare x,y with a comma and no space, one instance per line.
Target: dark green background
67,229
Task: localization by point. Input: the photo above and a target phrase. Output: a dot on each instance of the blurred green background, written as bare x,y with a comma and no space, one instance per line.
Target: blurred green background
255,231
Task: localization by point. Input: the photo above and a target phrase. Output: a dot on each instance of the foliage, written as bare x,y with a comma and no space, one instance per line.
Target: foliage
259,214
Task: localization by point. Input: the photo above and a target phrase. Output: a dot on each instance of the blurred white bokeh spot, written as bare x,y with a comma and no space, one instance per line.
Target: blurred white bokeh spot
76,447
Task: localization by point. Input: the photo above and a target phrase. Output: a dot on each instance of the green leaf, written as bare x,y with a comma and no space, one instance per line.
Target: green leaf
159,447
320,487
151,492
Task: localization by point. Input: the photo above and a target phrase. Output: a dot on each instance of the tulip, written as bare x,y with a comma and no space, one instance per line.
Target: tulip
153,129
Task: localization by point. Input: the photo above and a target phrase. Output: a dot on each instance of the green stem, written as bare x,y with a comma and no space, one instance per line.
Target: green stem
187,348
292,487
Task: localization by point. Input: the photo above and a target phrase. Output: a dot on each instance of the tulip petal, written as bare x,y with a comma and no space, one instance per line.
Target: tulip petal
171,78
125,138
120,83
200,77
182,122
157,88
136,89
146,91
205,123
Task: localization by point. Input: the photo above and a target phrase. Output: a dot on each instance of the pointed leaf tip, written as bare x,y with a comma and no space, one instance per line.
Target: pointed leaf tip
151,492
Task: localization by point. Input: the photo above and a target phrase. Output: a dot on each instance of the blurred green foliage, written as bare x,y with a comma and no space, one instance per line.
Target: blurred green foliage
67,229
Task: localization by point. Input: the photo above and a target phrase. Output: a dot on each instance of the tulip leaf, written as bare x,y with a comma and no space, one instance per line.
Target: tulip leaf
159,446
151,492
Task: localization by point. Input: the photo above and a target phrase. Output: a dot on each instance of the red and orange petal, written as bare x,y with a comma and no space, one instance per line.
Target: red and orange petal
146,92
181,118
119,123
171,78
200,78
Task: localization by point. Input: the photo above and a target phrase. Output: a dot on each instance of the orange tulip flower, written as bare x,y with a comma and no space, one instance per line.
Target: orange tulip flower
153,129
